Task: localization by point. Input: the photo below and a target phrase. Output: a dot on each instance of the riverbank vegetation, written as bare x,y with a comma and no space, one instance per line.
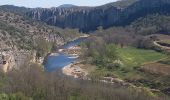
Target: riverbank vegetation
122,52
43,47
32,83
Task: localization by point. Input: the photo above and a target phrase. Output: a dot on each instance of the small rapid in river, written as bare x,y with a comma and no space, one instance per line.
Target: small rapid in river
61,60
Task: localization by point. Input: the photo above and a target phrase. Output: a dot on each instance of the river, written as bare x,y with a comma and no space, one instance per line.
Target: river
55,62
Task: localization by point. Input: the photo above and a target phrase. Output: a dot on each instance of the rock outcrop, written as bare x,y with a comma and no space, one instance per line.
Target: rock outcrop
89,18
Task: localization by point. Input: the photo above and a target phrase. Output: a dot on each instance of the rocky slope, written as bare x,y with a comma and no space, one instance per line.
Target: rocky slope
89,18
22,38
16,30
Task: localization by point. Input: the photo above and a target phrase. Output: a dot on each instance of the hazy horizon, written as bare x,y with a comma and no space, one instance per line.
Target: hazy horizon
54,3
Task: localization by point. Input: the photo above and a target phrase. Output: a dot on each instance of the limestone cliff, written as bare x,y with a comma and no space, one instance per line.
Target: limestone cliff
89,18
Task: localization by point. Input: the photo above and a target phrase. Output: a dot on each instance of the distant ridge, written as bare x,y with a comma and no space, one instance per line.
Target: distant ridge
66,6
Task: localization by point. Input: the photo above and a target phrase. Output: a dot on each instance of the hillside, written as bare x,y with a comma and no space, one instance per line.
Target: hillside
22,33
152,24
89,18
122,4
22,40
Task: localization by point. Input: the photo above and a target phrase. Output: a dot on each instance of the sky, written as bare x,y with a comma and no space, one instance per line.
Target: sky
53,3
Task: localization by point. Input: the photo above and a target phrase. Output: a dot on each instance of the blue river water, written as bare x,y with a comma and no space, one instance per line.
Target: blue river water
59,61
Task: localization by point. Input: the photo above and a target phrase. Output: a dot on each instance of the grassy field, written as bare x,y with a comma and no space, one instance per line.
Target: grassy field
162,37
157,68
166,41
146,68
134,57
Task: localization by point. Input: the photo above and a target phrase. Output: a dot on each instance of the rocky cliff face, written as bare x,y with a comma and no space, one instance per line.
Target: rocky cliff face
21,38
89,18
83,18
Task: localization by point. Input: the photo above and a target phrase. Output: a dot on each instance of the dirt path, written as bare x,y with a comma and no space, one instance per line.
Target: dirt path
163,47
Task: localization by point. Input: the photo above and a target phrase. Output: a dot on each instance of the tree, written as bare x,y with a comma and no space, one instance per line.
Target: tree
43,47
111,51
